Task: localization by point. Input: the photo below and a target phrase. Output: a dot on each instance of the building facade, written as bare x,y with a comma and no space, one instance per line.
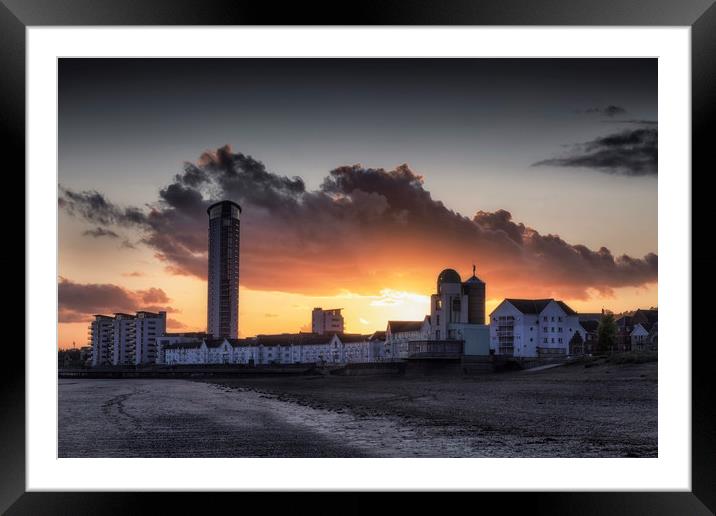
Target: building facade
282,349
148,326
399,333
223,277
102,340
532,328
126,339
456,303
167,339
327,321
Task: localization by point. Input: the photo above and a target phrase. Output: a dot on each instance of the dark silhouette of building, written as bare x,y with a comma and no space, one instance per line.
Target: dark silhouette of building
223,284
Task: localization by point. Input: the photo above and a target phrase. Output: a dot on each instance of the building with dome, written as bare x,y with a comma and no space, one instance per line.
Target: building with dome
457,318
456,305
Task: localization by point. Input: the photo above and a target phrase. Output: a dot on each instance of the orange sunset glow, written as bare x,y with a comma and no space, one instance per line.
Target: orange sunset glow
357,188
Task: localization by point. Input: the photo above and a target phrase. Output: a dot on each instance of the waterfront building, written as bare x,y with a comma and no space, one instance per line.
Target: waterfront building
456,303
167,339
533,328
126,339
148,327
280,349
102,340
399,333
644,333
327,321
456,324
124,343
223,277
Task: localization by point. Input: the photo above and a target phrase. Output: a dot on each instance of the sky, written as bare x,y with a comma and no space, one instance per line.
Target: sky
359,179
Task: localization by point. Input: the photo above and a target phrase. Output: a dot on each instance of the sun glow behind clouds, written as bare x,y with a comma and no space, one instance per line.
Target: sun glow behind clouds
362,313
278,312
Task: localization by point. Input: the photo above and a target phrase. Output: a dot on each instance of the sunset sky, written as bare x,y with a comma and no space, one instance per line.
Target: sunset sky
359,181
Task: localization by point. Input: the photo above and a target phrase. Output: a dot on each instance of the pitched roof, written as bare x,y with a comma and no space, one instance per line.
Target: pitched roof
241,342
183,345
379,335
405,326
200,334
352,337
589,325
595,316
566,308
648,316
535,306
286,339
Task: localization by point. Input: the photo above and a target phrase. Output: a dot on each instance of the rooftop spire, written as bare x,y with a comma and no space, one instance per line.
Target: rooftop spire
473,269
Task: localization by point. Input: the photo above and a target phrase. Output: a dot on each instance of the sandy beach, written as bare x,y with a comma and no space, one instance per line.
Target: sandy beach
570,411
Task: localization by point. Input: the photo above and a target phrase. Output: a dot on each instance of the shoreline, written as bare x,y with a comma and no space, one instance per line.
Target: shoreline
571,411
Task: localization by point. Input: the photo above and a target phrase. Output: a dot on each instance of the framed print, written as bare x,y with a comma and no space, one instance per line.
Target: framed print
426,251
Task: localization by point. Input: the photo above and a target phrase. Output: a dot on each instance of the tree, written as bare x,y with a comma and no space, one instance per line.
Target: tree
606,333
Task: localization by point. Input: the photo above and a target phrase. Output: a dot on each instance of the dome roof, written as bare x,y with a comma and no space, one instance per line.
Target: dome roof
449,276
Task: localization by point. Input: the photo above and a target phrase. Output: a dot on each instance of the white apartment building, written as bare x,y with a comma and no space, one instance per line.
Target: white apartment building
124,343
126,339
148,327
533,328
102,340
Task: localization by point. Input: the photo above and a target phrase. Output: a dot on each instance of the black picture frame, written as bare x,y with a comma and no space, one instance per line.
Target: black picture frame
700,15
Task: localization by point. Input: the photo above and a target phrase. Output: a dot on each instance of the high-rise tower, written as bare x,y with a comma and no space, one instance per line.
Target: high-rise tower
223,298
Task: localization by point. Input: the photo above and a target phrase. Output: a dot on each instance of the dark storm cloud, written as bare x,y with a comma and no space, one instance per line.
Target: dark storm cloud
629,153
100,232
610,110
93,206
359,222
78,302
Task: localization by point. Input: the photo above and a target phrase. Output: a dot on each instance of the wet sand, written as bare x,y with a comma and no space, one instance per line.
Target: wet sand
570,411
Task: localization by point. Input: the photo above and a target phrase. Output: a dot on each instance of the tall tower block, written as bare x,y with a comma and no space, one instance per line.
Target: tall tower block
223,284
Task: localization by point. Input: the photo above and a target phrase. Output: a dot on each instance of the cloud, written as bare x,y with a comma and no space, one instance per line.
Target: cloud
153,295
174,324
100,232
133,274
610,110
78,302
629,153
364,229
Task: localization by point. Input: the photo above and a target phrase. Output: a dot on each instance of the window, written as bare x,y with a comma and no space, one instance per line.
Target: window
545,340
544,329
